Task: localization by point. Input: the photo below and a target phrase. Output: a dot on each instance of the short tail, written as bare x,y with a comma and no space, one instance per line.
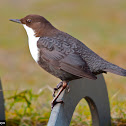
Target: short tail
115,69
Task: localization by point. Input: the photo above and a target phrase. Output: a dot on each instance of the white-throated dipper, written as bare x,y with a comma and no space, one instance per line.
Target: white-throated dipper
62,55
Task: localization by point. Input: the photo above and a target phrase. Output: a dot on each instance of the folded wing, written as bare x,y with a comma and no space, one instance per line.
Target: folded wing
70,62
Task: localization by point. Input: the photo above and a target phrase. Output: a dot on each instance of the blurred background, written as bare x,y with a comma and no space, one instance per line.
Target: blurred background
100,24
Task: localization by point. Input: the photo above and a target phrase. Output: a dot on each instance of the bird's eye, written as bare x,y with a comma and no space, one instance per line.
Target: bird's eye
28,20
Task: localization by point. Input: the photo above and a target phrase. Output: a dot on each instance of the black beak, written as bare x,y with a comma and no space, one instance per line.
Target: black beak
16,20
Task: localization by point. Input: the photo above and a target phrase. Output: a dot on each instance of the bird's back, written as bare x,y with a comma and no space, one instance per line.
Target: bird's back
66,45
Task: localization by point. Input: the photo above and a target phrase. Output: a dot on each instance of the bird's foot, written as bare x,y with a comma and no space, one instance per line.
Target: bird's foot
57,88
54,102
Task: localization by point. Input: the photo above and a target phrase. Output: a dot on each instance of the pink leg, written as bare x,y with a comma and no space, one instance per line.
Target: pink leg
54,102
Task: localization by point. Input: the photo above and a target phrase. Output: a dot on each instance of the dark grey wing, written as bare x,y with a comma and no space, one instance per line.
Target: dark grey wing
75,65
69,62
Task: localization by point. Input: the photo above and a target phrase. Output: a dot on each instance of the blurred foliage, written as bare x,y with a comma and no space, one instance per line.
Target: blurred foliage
27,112
100,24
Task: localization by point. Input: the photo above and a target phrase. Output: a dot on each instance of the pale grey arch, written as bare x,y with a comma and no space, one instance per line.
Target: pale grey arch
95,93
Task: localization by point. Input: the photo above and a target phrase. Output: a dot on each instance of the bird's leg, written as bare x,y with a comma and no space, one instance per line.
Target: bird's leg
57,87
54,102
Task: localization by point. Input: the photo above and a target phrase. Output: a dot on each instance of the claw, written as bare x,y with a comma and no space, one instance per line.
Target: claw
68,88
57,88
54,91
53,94
55,102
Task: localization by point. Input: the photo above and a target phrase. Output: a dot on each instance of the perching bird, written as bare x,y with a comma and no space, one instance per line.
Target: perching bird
62,55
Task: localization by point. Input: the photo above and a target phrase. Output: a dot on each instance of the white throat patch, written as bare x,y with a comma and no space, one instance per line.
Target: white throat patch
32,40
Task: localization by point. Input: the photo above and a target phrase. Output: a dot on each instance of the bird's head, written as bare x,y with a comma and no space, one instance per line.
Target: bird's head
35,22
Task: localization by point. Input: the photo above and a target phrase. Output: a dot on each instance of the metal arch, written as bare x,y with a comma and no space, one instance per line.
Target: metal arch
95,93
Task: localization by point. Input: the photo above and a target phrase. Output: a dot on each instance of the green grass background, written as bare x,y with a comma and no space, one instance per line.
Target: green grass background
100,24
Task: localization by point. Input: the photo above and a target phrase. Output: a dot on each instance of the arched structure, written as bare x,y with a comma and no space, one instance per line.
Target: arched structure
95,93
